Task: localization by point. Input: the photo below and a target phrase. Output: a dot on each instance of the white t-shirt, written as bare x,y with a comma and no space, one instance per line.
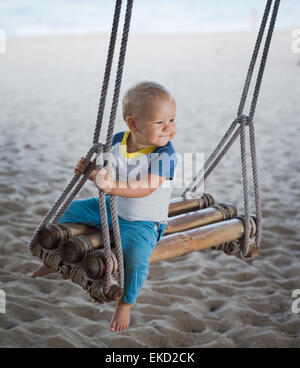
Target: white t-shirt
133,166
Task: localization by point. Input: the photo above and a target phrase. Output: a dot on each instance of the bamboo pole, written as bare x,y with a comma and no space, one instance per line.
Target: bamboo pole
179,206
94,264
74,249
190,220
51,236
179,244
186,242
77,275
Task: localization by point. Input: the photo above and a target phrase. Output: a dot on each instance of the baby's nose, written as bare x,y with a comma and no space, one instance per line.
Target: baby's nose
167,125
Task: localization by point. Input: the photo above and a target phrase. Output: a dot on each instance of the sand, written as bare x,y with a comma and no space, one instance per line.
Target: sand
49,92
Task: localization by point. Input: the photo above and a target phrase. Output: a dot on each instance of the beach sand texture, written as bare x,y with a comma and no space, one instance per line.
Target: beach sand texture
50,89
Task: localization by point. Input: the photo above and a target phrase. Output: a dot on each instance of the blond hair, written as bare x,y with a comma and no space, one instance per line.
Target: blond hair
142,94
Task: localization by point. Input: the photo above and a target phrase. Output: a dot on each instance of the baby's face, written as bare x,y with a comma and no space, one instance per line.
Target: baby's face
156,124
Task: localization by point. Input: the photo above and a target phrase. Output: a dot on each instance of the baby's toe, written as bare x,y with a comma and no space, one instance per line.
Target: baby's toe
112,327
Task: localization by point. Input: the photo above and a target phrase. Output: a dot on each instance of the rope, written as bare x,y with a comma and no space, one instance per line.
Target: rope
245,242
105,231
258,211
77,181
75,191
114,214
52,210
58,203
118,244
254,57
216,156
197,181
107,72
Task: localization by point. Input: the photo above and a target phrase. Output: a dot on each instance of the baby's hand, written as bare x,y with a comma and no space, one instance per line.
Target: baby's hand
104,182
80,169
79,166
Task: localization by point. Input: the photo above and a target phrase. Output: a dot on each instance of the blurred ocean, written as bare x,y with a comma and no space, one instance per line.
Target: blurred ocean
37,17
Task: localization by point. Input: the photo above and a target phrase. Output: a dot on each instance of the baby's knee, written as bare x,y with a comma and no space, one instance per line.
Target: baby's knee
136,259
71,212
85,211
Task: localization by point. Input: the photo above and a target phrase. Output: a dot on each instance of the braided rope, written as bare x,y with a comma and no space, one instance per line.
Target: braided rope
210,166
119,75
75,190
257,196
107,73
70,191
118,244
251,125
76,183
245,242
254,57
58,203
52,210
115,220
197,181
216,156
264,60
105,228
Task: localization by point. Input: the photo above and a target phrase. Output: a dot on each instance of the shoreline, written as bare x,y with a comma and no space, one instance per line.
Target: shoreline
147,34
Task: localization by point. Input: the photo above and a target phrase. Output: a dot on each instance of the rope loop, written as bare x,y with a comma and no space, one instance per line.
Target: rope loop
99,159
87,160
243,120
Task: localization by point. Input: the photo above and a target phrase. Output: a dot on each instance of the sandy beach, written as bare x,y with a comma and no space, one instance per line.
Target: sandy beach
50,89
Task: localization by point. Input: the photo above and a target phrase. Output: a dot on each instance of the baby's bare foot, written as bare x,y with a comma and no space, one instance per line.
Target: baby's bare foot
121,318
42,271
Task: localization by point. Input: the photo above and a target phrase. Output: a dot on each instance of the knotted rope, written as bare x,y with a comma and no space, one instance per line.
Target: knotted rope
234,131
113,206
78,180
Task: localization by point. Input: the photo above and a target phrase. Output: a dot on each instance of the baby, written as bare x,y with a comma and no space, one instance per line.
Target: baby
145,162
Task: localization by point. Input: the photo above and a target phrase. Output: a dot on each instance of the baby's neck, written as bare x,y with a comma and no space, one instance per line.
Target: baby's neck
133,145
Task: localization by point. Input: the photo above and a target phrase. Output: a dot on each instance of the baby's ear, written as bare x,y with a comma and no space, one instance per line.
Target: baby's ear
130,121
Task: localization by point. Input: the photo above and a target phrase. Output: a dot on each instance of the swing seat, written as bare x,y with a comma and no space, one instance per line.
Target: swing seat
76,250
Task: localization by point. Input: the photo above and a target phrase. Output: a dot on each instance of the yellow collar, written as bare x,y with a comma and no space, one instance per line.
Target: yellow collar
136,154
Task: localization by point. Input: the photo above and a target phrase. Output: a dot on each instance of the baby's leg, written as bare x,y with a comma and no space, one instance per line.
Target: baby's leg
85,211
138,241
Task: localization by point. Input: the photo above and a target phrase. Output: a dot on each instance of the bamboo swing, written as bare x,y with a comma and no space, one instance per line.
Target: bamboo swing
76,250
93,258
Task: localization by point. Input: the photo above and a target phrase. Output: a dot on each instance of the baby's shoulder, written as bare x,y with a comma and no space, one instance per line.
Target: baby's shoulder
118,137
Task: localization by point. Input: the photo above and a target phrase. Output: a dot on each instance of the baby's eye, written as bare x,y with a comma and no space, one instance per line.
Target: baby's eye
172,120
158,122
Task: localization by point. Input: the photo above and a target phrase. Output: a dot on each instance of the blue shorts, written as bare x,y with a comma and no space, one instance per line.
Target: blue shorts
138,241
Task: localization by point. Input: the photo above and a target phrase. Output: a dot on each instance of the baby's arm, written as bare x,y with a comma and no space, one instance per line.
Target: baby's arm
132,189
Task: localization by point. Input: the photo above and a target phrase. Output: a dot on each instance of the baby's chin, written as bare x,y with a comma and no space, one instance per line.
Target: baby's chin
163,141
